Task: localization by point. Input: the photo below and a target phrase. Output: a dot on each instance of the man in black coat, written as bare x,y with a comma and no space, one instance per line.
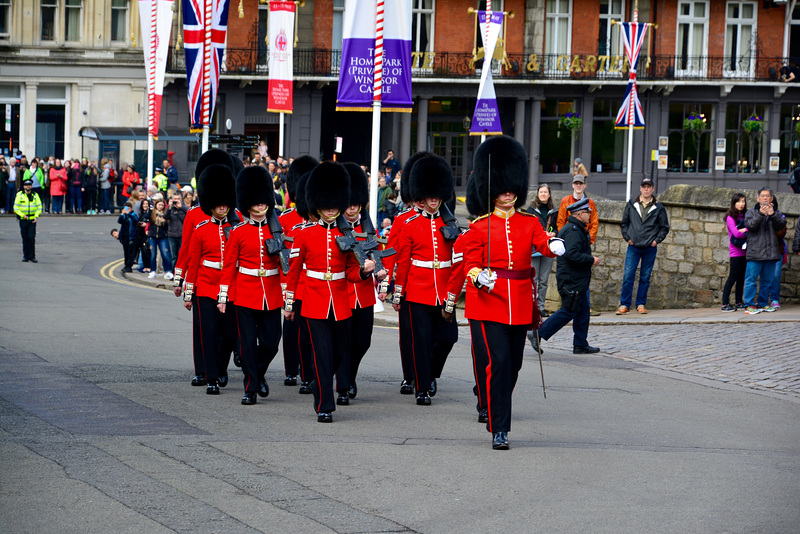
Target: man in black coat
573,273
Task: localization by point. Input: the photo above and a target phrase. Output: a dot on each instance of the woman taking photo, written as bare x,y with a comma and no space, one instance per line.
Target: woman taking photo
144,247
737,237
159,242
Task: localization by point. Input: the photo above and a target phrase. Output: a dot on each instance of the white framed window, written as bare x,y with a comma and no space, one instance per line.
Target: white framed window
5,19
73,18
557,27
608,41
740,36
262,63
49,20
119,21
337,35
692,41
422,26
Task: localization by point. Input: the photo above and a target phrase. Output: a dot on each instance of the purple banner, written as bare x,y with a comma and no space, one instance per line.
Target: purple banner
486,119
356,74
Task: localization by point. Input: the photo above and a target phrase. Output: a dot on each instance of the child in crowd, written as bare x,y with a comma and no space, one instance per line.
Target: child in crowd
737,238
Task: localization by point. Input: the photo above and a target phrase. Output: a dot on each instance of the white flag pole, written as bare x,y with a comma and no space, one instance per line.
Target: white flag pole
280,136
630,157
376,115
151,96
206,74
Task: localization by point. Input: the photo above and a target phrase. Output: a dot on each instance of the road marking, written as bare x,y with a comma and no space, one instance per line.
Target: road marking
107,272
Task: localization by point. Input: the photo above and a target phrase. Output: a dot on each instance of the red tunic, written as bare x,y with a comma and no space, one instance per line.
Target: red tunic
301,284
317,250
207,247
289,219
245,251
362,293
423,264
514,236
394,240
193,217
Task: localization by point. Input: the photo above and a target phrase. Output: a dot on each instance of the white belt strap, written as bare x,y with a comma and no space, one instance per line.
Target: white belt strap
324,276
213,264
431,264
260,273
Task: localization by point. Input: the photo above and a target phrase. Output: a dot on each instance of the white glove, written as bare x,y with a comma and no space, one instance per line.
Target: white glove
486,278
556,245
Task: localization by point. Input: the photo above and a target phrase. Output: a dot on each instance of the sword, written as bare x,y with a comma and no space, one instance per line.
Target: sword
489,219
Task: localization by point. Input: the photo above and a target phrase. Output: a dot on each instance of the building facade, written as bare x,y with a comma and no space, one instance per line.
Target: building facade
708,77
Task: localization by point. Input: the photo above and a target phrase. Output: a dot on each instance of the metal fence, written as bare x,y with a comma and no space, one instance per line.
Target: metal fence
253,61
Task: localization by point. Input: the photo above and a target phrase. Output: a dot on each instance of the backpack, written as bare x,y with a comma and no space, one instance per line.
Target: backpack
739,241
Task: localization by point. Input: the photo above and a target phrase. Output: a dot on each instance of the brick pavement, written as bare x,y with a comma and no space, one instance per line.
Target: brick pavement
763,356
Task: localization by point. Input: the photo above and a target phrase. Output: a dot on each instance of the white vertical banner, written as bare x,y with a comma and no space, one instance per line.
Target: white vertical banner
156,22
281,39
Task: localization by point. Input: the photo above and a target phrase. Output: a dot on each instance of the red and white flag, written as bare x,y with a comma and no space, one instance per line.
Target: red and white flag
156,21
281,39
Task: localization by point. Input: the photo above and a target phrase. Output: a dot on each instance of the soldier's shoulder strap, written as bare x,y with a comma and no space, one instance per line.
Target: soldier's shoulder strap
202,223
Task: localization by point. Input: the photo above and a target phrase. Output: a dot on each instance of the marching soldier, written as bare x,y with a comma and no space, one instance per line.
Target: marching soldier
290,219
500,305
253,276
404,321
361,294
204,270
194,217
326,309
423,273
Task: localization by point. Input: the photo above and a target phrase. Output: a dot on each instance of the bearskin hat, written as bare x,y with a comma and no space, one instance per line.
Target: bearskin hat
509,170
359,185
405,181
254,186
298,168
328,187
431,176
476,205
238,165
300,204
215,187
213,156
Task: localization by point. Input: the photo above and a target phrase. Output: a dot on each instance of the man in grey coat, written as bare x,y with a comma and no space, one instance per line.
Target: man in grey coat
763,250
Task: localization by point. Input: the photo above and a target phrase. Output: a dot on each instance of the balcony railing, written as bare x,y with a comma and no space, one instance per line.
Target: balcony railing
317,62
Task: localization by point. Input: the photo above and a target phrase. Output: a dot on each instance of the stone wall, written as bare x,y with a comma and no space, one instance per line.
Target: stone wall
692,263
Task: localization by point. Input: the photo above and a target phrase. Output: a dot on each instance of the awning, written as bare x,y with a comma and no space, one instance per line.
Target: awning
124,133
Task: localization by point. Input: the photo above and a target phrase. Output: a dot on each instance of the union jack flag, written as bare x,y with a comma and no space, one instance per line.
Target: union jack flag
205,24
631,110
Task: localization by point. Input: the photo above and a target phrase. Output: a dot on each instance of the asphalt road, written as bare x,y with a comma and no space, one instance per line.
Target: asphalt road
100,430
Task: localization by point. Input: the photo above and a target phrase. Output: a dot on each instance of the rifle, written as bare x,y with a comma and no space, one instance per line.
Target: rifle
275,245
450,230
372,244
347,242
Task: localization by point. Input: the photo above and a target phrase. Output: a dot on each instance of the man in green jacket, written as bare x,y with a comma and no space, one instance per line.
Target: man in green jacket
28,208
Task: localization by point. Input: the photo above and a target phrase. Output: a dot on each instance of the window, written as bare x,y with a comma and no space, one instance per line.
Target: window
745,152
49,18
609,147
422,26
789,137
689,142
119,21
691,40
556,143
5,18
72,20
337,35
557,27
608,42
262,62
740,37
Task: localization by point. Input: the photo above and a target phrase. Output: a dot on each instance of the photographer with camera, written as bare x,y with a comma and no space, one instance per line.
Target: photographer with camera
128,235
789,74
763,250
175,215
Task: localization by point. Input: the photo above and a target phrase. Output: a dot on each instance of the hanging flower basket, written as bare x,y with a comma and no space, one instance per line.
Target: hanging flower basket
797,129
753,124
571,121
694,123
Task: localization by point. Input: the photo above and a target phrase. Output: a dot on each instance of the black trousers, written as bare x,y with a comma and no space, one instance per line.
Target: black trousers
498,349
479,370
406,350
360,337
291,343
215,342
129,251
433,339
329,342
28,231
259,339
197,343
736,276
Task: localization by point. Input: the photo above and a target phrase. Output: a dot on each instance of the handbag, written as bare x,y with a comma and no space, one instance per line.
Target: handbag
570,300
739,241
